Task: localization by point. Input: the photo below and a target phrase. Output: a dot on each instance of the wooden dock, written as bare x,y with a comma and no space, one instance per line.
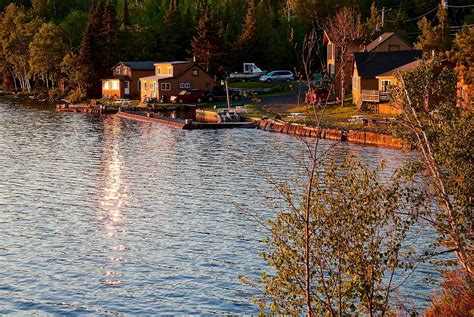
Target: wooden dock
183,124
86,109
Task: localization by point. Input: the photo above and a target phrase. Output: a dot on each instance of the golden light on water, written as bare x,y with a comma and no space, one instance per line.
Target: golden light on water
112,203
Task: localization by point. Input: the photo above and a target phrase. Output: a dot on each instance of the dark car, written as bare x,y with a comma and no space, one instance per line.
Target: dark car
190,95
219,93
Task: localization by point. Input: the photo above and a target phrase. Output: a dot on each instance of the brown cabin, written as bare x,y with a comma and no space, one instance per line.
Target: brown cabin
172,77
125,82
385,42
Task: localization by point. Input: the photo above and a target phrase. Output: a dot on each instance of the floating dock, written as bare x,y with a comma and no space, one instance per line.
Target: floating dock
183,124
86,109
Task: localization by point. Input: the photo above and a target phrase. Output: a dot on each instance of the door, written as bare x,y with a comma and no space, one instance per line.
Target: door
126,88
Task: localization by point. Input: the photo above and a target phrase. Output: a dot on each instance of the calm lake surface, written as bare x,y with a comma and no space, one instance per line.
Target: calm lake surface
109,216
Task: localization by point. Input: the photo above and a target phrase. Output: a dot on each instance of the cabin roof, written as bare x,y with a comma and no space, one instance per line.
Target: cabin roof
402,68
158,77
381,39
174,63
372,64
148,65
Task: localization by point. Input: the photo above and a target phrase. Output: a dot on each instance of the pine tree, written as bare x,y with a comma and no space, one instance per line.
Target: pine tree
108,38
89,55
124,15
172,33
434,38
206,43
246,40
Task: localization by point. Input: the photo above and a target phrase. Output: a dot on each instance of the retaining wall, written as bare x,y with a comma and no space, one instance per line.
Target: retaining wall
355,136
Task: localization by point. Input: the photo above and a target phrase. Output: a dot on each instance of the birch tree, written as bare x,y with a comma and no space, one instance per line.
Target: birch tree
443,134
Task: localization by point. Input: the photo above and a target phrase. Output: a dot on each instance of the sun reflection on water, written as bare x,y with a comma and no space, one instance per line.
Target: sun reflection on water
112,202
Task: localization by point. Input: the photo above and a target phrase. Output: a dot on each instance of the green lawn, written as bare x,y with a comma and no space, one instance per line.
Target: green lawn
338,117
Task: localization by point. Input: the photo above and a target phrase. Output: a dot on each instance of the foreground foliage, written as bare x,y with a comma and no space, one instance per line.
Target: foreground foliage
357,225
443,134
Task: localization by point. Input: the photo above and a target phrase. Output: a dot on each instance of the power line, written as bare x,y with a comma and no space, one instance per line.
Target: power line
465,6
435,8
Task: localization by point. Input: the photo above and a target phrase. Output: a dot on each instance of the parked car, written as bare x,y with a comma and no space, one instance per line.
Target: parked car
190,95
316,94
219,93
278,75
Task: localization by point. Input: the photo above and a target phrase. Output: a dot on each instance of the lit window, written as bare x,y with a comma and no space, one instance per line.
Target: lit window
386,85
106,85
115,85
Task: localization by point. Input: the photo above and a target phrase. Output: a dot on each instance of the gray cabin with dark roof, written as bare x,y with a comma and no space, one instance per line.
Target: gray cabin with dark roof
125,82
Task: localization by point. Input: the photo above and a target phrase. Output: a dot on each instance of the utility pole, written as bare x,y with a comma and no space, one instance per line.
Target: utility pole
383,15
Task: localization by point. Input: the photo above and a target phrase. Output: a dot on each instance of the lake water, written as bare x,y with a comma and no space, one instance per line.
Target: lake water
109,216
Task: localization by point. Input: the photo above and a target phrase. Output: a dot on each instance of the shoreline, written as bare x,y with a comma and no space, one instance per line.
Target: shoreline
352,136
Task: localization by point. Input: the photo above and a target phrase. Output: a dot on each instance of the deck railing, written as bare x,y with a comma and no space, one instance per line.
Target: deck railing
375,96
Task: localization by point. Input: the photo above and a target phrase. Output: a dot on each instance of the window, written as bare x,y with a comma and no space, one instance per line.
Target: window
158,71
195,72
386,85
392,48
144,86
115,85
169,70
106,85
332,69
329,52
165,86
184,85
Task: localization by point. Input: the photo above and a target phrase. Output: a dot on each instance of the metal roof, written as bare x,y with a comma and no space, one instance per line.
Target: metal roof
148,65
372,64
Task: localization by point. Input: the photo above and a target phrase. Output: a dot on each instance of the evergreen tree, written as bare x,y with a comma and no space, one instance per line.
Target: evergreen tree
434,38
89,55
108,37
246,41
124,15
206,43
172,33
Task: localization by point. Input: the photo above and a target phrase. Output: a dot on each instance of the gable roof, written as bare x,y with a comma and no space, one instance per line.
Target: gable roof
174,62
381,39
402,68
372,64
138,65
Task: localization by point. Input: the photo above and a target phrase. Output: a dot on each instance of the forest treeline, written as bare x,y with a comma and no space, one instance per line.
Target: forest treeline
67,46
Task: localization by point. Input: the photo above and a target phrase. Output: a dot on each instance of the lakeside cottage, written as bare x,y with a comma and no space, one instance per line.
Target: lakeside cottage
172,77
375,72
385,42
125,82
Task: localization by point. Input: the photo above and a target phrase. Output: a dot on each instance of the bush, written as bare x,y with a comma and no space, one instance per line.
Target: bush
456,298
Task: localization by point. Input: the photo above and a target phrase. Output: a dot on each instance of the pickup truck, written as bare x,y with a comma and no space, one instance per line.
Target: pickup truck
219,93
251,72
189,95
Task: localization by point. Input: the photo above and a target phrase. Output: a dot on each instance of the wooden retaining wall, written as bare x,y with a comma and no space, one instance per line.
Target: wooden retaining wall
360,137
